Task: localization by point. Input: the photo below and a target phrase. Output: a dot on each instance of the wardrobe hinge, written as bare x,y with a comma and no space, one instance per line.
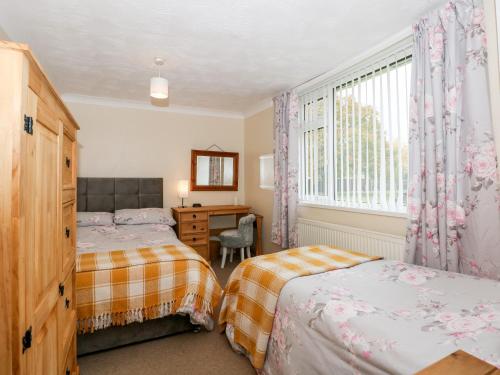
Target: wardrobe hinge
27,339
28,124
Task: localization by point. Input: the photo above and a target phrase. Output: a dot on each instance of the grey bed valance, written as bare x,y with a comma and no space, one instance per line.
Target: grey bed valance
109,194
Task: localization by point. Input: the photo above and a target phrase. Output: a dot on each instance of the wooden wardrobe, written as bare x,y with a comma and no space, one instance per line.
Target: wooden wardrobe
37,220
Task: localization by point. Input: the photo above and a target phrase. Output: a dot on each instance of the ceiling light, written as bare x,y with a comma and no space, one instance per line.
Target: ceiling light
159,85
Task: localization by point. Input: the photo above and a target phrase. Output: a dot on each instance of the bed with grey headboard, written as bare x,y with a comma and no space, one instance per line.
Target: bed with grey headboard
109,195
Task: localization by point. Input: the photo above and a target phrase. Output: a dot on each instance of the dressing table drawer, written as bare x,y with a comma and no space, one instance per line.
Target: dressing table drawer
193,216
194,239
194,227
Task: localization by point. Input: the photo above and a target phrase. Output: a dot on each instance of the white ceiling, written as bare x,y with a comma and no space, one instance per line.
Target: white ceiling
225,54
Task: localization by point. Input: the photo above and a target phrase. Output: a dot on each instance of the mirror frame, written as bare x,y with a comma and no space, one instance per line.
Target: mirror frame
194,164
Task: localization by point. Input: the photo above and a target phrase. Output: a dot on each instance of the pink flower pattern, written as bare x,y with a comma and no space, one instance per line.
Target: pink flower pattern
453,193
286,187
413,309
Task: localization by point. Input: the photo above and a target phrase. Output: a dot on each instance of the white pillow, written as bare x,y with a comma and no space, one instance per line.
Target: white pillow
144,216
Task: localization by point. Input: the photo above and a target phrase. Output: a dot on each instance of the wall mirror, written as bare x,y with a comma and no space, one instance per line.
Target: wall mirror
214,170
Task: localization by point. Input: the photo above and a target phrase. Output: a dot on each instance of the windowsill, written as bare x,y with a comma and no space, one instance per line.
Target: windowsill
369,211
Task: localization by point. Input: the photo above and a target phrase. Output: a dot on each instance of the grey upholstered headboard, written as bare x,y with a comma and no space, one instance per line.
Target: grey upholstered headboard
110,194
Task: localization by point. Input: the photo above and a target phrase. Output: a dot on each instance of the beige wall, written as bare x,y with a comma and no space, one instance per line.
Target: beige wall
129,142
259,141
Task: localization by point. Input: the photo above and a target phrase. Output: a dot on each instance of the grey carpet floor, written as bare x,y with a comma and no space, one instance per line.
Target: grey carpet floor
200,353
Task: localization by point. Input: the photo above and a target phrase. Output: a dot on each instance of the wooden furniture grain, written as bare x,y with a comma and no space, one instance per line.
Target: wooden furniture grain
193,225
37,220
460,363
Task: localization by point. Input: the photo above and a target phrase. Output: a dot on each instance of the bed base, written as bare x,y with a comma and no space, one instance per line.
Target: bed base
115,337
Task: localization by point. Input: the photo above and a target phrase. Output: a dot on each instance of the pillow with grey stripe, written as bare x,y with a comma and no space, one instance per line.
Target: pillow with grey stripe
144,216
89,219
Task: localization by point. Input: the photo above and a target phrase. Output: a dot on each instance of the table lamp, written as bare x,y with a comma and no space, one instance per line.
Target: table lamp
183,190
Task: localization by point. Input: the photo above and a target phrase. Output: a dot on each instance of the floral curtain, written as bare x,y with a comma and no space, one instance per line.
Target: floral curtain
285,135
216,170
453,195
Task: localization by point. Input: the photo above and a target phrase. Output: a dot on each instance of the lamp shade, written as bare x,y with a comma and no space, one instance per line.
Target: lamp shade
183,188
159,88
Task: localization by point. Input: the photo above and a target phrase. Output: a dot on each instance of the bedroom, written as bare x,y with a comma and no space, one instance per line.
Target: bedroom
157,154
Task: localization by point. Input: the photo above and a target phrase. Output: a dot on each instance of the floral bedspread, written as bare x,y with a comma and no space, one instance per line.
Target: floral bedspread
124,237
382,317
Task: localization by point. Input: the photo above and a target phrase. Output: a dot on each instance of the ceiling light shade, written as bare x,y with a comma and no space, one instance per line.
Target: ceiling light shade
159,88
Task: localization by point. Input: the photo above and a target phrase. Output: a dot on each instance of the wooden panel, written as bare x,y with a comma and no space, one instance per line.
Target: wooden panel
42,272
66,317
460,363
194,239
35,80
203,251
69,366
69,238
47,117
68,161
194,227
12,96
193,216
44,347
39,82
68,195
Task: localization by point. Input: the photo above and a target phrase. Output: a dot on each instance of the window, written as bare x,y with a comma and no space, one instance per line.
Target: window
354,138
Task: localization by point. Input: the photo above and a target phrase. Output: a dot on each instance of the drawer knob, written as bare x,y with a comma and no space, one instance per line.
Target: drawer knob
61,289
67,232
68,162
66,303
194,238
67,371
194,226
194,216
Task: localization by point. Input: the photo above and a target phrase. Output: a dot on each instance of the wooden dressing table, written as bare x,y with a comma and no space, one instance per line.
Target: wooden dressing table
193,225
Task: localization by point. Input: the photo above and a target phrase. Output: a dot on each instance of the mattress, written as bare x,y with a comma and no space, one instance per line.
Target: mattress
381,317
124,237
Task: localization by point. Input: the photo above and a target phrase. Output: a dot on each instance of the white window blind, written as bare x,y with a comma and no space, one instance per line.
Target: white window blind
354,144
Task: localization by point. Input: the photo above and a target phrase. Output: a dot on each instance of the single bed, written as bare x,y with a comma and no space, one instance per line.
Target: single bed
135,282
376,317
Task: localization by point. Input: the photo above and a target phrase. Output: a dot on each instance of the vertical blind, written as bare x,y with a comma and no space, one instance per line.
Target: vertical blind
354,143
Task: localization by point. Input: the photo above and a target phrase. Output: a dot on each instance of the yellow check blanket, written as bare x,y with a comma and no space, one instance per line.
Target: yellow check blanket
124,286
253,289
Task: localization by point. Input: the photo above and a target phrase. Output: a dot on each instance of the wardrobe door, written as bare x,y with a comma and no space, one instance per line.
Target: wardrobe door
42,262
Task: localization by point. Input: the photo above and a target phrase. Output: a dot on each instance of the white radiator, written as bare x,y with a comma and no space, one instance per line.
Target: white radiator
312,232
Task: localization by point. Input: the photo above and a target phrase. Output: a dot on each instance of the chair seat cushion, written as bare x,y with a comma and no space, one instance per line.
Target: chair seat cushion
229,233
231,238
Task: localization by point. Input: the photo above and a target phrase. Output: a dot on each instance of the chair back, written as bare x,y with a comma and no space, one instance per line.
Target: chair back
245,229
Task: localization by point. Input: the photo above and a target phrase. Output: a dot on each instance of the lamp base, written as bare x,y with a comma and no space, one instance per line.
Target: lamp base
182,203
